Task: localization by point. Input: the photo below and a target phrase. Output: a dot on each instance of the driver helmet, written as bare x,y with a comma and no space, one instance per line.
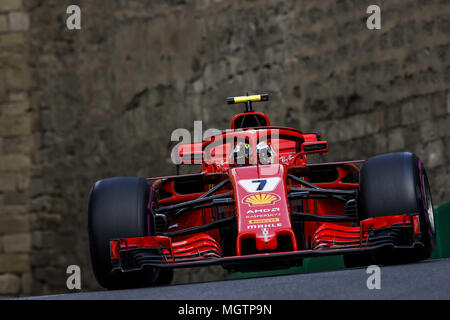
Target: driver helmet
264,153
242,153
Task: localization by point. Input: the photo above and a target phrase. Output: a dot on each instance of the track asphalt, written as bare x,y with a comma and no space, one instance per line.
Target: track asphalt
425,280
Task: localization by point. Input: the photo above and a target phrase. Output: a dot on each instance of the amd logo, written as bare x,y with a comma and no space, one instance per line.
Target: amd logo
263,210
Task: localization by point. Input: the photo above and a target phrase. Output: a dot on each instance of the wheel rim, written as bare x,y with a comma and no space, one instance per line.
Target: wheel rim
429,207
427,202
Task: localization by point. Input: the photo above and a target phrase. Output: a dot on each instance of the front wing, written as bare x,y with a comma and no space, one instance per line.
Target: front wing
383,233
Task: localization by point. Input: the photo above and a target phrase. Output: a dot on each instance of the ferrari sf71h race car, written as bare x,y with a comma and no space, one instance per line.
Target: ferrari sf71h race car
259,205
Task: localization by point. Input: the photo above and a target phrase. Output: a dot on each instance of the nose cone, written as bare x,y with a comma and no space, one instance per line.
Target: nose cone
262,209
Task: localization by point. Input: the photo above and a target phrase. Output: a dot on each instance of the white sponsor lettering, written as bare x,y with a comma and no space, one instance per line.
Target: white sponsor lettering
257,185
265,225
264,215
263,210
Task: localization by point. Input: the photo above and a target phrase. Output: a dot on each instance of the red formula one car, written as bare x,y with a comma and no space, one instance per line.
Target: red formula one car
257,205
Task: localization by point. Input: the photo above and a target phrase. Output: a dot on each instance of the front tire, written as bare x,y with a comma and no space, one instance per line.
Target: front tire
118,209
395,184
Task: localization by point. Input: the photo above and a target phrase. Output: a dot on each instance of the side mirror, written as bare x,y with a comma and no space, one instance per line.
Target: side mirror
190,153
315,147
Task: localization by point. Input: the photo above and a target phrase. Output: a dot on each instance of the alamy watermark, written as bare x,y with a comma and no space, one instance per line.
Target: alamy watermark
374,20
73,21
374,280
74,280
225,147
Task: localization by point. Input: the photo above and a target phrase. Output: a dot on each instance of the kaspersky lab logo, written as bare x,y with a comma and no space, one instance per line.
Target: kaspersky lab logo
261,199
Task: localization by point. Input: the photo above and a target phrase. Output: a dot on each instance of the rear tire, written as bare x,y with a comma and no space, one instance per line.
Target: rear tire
118,209
395,184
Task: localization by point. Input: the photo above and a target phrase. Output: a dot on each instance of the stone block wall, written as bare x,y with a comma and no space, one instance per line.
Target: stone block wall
17,134
81,105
